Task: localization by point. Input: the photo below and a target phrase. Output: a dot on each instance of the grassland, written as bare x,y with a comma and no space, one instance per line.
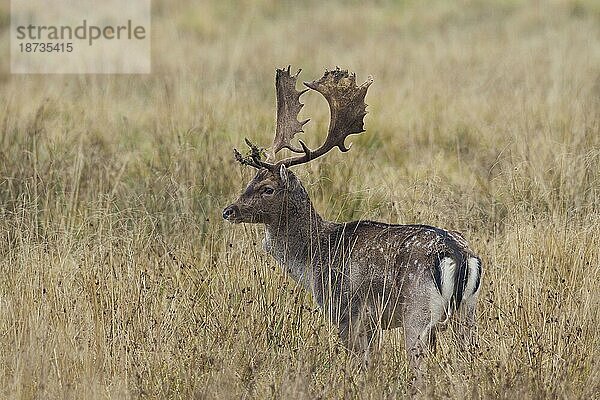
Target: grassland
120,280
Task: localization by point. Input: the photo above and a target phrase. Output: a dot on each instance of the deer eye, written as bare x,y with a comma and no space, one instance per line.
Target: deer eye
268,190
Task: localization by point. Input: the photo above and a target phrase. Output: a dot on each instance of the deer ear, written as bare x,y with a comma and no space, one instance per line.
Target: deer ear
283,174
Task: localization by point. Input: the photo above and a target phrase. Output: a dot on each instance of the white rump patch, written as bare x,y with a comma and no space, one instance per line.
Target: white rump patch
473,276
448,273
440,300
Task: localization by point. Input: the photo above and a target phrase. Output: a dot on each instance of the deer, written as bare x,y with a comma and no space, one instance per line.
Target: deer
365,276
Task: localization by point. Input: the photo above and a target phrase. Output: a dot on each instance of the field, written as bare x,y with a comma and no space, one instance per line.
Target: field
119,278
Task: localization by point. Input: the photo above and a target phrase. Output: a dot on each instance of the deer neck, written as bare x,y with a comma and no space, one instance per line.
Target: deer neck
292,238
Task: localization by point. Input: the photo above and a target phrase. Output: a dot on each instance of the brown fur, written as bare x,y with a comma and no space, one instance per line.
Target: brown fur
366,276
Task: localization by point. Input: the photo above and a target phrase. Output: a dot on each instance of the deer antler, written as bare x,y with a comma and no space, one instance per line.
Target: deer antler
347,107
254,158
346,104
288,108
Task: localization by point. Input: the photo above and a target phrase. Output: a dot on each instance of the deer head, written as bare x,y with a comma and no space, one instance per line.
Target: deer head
274,184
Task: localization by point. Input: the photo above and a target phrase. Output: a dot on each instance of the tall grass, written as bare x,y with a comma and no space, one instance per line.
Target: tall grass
119,279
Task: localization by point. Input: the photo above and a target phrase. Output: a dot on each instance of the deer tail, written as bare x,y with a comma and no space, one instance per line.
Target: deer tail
456,279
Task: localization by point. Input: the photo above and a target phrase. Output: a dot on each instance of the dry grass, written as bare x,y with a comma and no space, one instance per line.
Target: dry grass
119,279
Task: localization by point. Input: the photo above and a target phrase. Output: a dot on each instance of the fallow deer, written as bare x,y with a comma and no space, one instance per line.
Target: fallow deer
364,275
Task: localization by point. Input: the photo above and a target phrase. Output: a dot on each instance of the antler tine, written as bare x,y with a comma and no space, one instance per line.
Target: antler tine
347,107
288,108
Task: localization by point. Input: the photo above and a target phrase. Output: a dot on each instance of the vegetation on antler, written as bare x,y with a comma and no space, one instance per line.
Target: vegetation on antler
253,158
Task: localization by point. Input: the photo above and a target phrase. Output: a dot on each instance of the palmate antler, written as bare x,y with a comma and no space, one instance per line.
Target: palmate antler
346,104
288,108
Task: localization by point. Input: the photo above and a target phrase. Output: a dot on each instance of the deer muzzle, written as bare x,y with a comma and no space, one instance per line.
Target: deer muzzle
231,213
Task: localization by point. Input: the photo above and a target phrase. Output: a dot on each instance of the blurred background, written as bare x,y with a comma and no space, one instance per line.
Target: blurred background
119,278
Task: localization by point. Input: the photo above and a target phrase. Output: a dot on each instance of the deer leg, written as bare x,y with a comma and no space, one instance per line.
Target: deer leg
419,336
357,334
467,329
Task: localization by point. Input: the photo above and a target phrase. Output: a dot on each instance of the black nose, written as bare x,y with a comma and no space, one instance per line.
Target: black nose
230,211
